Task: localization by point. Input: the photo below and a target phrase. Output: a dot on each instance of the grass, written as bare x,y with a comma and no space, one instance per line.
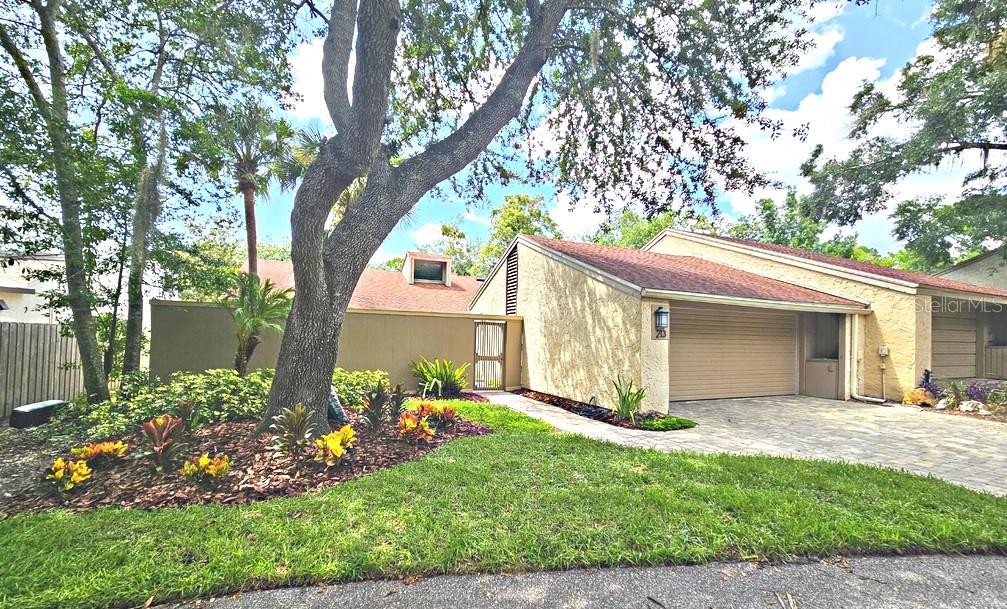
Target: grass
668,423
523,498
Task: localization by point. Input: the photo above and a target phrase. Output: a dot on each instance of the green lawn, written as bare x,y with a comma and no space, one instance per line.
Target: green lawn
523,498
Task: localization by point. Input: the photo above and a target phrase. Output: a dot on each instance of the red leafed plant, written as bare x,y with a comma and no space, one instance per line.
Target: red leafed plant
163,433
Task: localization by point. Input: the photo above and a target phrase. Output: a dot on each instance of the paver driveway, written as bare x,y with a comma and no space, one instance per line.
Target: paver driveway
962,450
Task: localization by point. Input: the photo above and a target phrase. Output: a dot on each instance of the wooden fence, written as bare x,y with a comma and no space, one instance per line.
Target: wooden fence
36,363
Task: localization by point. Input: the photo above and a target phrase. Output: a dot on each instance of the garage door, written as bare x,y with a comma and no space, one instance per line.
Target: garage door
730,352
954,345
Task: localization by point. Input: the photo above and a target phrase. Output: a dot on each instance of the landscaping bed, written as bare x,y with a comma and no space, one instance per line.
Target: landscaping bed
522,498
259,470
647,420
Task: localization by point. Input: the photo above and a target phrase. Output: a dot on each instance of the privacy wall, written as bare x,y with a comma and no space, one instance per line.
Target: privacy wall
194,337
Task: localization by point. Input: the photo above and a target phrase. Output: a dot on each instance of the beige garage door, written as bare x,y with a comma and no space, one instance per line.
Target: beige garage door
954,345
731,352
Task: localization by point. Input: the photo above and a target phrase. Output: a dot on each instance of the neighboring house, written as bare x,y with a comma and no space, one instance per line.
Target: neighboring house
694,316
425,283
21,297
986,269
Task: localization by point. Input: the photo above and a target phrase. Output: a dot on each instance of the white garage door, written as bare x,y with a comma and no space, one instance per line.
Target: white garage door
954,345
731,352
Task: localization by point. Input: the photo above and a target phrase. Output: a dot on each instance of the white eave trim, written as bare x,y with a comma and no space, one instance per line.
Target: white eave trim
781,305
897,285
962,295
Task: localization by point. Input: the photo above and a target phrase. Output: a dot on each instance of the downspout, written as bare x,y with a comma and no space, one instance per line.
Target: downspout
855,362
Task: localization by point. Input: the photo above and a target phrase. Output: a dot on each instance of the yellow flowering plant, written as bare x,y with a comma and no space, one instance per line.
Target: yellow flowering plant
67,474
332,447
205,469
414,427
919,397
93,451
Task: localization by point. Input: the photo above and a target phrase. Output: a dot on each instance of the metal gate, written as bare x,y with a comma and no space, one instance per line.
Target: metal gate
489,354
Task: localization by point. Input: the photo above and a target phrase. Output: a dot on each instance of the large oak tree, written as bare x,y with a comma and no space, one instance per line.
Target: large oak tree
628,100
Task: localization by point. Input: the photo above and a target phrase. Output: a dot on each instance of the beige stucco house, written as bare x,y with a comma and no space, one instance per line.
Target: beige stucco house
988,269
695,316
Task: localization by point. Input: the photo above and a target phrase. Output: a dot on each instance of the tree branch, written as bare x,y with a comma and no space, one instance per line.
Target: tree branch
378,35
336,59
450,155
26,74
962,146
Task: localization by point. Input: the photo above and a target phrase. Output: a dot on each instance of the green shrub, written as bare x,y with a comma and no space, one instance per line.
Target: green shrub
293,431
208,397
373,410
627,399
352,385
668,423
441,377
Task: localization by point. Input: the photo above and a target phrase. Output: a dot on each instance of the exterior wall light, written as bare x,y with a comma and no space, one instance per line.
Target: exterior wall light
661,322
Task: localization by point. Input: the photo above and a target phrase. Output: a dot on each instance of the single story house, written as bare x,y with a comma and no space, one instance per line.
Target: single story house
697,316
988,269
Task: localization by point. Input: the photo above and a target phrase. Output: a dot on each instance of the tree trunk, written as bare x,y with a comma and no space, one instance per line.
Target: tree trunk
65,166
248,194
108,360
243,355
148,208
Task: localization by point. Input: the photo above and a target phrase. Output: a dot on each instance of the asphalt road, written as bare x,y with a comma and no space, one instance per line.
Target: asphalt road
929,582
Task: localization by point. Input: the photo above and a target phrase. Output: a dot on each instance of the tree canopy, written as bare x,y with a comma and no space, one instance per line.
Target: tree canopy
949,106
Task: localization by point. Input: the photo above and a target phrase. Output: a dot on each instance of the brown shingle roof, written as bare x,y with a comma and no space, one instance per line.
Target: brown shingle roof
388,290
866,267
687,274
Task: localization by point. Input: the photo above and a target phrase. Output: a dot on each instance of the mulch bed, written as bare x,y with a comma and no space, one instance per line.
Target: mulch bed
590,411
257,472
999,418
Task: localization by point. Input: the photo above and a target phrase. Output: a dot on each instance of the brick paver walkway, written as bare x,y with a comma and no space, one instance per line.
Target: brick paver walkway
962,450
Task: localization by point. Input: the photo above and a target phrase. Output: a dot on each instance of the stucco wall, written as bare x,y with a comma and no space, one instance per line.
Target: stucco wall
989,271
899,320
493,299
653,360
198,336
579,333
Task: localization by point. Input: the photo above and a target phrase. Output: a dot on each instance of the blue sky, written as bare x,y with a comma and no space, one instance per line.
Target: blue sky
854,44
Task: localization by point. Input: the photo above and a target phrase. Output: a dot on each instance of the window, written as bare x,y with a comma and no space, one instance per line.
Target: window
824,332
998,331
429,270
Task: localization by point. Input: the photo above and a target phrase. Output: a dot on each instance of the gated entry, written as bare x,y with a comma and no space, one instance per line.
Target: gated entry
489,354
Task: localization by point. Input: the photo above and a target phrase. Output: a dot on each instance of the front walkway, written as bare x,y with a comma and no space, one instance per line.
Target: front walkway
909,582
962,450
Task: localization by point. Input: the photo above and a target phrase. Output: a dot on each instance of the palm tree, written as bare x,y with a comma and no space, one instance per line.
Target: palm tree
292,164
256,306
252,140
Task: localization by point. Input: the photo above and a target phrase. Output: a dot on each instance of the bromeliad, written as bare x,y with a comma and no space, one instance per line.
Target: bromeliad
163,432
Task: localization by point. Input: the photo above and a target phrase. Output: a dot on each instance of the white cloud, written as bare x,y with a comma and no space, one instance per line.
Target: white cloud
822,12
426,235
577,221
828,118
471,216
306,68
825,43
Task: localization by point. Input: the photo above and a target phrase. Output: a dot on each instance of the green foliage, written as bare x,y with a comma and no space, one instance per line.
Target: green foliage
633,231
217,395
439,376
375,403
293,430
950,106
955,393
274,251
396,404
392,264
464,252
520,214
256,306
627,399
668,423
352,385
